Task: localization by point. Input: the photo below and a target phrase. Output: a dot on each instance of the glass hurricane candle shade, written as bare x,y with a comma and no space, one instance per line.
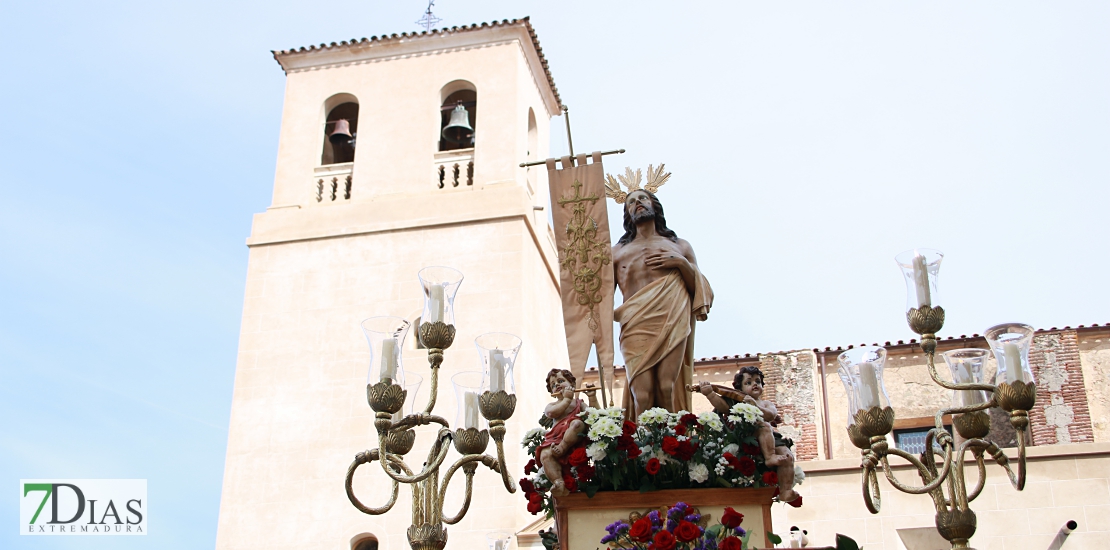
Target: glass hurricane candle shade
468,387
440,285
498,540
412,385
385,335
920,268
967,368
864,373
1010,343
497,351
853,404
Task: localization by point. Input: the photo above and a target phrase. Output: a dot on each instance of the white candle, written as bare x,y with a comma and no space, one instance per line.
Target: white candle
389,359
435,303
1013,363
921,281
869,385
496,370
470,410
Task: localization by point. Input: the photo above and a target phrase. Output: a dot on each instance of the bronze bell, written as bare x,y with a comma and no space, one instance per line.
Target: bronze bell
342,132
458,129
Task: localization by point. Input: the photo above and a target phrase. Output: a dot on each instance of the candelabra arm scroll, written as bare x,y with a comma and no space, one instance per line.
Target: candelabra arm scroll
925,474
871,485
951,385
360,459
467,463
497,430
439,449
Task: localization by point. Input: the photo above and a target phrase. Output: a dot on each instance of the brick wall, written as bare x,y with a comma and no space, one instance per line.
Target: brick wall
1061,414
788,382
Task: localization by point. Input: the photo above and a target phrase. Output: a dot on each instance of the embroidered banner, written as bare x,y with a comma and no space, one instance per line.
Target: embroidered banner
585,260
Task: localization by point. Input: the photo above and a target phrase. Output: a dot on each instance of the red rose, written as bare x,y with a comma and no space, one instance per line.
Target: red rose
535,497
571,484
652,466
535,506
585,473
770,478
641,530
670,445
530,467
527,486
730,543
731,518
625,443
685,450
628,428
747,466
578,457
680,429
687,531
689,418
751,450
663,540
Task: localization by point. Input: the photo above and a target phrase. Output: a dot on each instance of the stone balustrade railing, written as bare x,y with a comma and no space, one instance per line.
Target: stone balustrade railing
454,168
332,183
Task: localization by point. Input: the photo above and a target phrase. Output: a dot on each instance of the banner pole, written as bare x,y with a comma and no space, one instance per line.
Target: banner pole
566,117
539,162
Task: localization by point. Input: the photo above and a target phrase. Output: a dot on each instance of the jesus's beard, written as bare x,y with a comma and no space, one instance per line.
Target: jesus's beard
641,215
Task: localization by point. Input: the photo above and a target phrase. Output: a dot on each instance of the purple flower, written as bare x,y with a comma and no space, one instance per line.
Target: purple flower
616,527
671,524
654,516
693,518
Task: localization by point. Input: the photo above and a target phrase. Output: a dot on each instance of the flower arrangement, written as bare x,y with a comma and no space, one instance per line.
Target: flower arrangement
663,450
679,529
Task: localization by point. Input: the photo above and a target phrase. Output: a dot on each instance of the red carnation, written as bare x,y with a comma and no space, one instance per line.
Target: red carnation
663,540
685,450
686,531
535,505
570,482
730,543
585,473
527,486
628,428
641,530
689,418
530,467
731,518
770,478
578,457
670,445
751,450
746,466
732,461
652,466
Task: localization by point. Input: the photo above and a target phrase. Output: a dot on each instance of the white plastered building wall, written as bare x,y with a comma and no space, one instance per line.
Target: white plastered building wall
318,265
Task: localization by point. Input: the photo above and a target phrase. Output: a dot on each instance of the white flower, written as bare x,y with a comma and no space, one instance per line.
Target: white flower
681,438
604,427
646,451
590,415
730,448
799,475
534,433
674,418
596,450
615,412
699,473
743,412
710,420
655,415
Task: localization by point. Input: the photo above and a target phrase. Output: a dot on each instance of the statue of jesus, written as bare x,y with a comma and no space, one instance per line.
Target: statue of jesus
664,293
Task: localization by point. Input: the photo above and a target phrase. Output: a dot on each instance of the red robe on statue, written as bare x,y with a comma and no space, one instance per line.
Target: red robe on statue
555,434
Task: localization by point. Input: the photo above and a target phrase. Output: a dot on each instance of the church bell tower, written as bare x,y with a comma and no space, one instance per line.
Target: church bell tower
396,153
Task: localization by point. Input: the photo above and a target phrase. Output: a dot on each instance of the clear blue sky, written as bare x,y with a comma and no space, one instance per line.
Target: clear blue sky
810,142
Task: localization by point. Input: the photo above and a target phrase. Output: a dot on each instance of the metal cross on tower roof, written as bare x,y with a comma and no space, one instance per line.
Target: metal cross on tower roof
429,20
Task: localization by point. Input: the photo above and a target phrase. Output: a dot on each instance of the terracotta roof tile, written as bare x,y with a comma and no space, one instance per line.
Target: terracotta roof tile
380,39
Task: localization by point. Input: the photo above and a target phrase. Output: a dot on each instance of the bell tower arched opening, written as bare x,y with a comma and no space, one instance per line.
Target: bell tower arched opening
458,115
340,129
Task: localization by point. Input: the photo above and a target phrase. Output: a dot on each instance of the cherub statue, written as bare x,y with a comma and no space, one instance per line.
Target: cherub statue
776,449
566,434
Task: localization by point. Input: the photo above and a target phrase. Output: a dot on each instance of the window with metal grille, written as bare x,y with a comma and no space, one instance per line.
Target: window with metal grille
912,440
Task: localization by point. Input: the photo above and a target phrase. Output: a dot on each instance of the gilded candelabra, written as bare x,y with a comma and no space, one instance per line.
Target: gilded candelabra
494,398
871,417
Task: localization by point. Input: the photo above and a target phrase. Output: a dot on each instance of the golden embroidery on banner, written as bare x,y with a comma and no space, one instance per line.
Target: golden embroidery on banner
584,256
